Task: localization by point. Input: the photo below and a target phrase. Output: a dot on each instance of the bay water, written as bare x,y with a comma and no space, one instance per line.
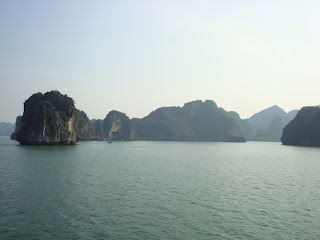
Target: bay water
159,190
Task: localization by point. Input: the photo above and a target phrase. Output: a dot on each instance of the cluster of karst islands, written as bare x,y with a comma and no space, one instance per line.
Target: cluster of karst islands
52,119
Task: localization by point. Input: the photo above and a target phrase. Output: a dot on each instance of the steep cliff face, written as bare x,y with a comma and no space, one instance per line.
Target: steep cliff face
49,119
98,130
304,129
245,126
267,125
118,126
85,129
195,121
17,128
273,133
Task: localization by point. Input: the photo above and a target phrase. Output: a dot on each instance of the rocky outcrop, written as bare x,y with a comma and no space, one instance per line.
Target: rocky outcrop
116,126
195,121
17,128
273,133
245,126
98,130
53,119
304,129
267,125
48,119
85,129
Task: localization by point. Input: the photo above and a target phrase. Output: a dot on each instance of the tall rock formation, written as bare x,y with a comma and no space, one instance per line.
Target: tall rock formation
48,119
273,133
116,126
85,129
245,126
98,130
195,121
268,124
17,128
304,129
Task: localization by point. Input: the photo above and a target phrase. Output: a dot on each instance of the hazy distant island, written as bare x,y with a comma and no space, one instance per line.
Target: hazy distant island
268,124
195,121
304,129
52,119
116,126
6,128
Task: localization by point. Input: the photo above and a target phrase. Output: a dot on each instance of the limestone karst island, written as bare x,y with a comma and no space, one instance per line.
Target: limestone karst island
52,119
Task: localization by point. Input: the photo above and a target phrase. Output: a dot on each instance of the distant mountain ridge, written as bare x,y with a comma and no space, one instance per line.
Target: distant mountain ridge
6,129
261,119
52,119
245,126
195,121
267,125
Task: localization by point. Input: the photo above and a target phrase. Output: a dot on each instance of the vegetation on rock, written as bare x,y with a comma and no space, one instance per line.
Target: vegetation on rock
84,128
195,121
52,118
116,126
49,119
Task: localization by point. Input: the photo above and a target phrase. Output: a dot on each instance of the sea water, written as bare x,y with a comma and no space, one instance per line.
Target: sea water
159,190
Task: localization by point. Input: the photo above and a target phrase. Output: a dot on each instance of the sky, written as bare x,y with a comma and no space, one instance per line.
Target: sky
137,56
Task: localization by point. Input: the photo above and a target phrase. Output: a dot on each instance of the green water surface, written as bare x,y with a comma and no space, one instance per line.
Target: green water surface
159,190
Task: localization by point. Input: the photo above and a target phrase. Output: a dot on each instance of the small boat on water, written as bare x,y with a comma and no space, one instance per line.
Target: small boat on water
109,142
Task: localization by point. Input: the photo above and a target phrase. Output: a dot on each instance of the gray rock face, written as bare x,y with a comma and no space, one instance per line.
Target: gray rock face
116,126
273,133
195,121
268,124
119,127
85,130
49,119
304,129
98,130
17,129
245,126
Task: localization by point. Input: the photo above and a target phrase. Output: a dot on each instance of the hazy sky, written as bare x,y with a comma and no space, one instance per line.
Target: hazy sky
136,56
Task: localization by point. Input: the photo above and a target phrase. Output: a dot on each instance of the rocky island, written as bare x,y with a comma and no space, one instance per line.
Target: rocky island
116,126
304,129
18,124
195,121
6,129
85,129
48,119
52,119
